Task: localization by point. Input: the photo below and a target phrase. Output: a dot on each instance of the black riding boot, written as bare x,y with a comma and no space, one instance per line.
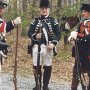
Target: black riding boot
75,80
35,75
46,77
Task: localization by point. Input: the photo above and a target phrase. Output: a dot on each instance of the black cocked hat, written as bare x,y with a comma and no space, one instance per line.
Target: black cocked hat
2,4
85,7
44,3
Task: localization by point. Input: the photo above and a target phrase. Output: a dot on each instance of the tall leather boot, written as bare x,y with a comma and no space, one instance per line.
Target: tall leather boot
75,80
35,76
46,76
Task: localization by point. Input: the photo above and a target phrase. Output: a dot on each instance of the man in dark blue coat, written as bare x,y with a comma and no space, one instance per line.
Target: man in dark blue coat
82,35
47,29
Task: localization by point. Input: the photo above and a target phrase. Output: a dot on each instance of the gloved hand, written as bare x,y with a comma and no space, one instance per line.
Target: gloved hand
73,35
17,21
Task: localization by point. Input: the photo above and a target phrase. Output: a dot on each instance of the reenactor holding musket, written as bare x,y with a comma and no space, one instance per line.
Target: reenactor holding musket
4,28
46,29
82,43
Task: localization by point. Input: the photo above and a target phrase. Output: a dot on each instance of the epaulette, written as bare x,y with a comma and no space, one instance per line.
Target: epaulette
33,21
36,18
51,18
55,22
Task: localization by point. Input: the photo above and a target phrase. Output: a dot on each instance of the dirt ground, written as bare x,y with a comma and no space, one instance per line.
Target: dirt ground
62,63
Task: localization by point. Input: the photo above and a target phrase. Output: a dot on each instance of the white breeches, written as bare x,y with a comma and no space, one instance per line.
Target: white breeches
45,55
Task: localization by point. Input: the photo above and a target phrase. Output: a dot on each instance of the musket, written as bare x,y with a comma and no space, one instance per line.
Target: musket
38,63
79,67
1,62
15,62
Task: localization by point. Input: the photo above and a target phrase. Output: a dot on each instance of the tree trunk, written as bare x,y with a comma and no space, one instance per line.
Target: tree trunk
59,2
33,5
24,6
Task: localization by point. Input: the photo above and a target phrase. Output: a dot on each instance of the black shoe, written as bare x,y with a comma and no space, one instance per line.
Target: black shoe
45,88
73,88
36,88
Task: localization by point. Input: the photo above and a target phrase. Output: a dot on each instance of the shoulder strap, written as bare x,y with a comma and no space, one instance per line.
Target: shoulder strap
45,31
43,24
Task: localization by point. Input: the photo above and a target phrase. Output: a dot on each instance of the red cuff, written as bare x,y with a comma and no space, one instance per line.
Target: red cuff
80,34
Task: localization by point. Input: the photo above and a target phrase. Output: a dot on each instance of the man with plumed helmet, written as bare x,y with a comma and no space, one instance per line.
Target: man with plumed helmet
5,27
83,43
50,35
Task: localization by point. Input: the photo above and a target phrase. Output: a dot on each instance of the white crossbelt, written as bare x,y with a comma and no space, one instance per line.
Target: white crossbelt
46,35
86,31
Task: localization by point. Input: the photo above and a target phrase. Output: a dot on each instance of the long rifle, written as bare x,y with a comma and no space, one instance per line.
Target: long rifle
15,62
1,62
38,63
79,67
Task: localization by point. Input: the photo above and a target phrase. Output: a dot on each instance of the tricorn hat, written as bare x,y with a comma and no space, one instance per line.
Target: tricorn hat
85,7
2,5
44,3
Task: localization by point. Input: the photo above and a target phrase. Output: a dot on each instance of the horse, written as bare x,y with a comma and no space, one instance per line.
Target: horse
67,24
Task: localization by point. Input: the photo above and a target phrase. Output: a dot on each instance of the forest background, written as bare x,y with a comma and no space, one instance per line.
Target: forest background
28,10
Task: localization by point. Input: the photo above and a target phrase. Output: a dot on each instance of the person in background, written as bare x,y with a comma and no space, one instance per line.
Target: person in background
82,38
50,35
4,28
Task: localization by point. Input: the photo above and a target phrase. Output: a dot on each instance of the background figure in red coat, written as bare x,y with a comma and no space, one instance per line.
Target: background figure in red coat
4,28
